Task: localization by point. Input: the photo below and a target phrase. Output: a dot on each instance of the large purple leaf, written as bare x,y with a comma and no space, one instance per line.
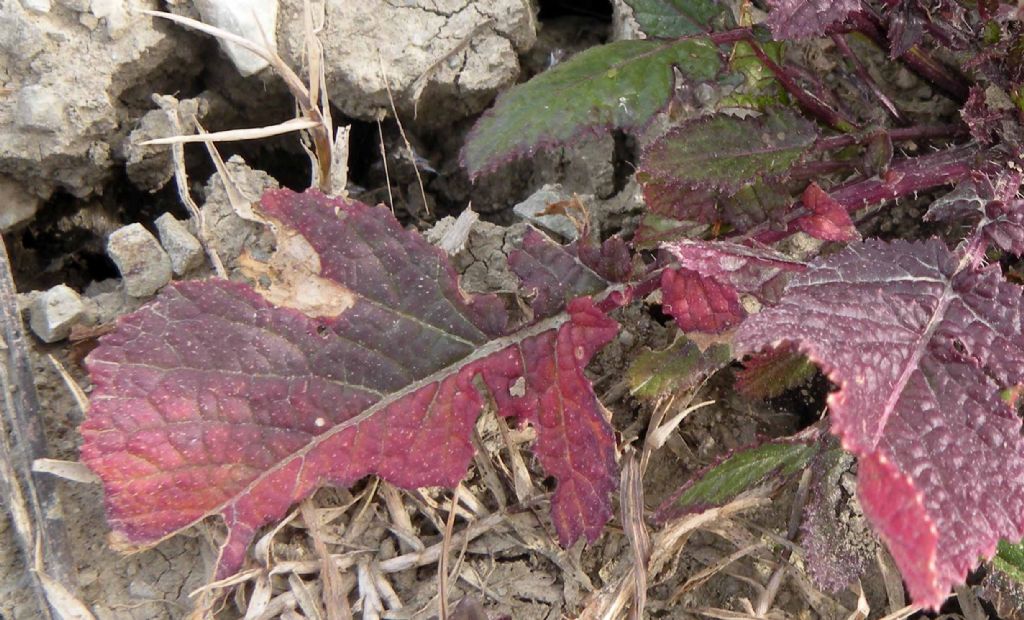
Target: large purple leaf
919,343
214,400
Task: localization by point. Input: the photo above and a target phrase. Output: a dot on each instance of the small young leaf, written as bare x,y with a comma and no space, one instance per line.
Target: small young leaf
726,152
667,19
679,367
803,19
738,472
620,85
700,304
920,344
827,220
768,375
214,401
1010,559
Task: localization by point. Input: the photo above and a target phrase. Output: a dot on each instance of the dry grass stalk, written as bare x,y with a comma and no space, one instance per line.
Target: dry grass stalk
334,598
401,131
632,505
321,132
170,106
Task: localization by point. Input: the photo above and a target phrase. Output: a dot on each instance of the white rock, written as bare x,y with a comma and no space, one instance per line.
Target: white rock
40,108
37,6
185,251
255,20
143,264
16,204
55,312
531,209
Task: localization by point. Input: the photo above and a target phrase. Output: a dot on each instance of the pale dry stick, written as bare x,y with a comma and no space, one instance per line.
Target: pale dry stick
900,614
666,544
305,599
387,592
75,471
81,399
236,135
372,606
487,470
335,604
240,203
660,432
401,524
632,506
767,597
170,107
401,131
384,160
522,482
700,578
442,569
321,132
863,610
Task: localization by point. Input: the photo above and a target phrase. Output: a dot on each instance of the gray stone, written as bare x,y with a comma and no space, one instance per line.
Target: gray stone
255,20
446,58
184,250
531,209
39,108
143,264
53,313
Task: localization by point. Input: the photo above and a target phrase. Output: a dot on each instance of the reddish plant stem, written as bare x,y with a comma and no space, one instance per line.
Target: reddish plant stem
865,77
813,104
916,59
903,178
900,134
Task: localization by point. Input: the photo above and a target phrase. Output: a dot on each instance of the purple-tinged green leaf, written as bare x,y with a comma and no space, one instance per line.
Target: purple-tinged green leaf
740,471
725,152
805,19
920,344
679,367
620,85
655,230
769,374
668,19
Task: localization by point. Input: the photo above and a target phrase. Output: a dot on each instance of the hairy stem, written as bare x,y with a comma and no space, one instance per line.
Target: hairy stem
915,59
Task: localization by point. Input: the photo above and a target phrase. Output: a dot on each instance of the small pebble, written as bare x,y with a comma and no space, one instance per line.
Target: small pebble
55,312
143,264
184,250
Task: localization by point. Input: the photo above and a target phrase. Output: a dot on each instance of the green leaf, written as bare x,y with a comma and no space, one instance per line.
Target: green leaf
1010,559
726,152
616,86
679,367
741,470
770,374
666,19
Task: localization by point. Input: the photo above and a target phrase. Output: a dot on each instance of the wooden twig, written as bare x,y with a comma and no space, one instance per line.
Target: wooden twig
30,498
